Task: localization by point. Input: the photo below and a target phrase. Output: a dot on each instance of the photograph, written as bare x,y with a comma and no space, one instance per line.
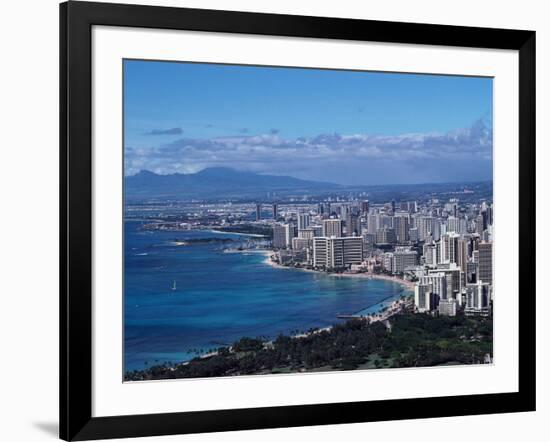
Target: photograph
289,220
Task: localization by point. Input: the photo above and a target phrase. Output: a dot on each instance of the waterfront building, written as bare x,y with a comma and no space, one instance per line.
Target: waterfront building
387,262
403,259
485,263
321,252
280,236
337,252
300,243
332,227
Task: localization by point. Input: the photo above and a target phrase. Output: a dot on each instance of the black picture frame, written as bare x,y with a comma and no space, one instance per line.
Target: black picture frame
76,21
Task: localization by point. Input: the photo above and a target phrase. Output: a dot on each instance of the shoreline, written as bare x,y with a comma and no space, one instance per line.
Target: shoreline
253,235
408,285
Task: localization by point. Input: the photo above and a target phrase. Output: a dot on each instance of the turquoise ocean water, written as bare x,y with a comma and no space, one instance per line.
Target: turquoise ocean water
221,297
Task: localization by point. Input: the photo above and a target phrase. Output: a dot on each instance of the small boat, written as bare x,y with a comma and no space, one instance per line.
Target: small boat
174,285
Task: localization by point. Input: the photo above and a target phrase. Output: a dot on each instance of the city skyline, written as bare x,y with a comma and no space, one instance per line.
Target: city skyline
359,128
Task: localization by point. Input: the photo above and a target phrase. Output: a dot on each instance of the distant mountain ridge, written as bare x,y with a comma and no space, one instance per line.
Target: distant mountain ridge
215,182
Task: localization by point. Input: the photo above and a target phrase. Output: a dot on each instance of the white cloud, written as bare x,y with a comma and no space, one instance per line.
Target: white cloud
270,153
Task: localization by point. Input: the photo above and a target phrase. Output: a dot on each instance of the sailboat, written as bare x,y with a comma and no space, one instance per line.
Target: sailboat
174,285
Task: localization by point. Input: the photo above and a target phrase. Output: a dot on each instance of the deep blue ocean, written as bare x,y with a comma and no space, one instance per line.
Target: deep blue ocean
221,297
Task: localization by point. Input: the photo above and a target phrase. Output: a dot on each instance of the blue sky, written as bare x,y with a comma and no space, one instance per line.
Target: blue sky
369,127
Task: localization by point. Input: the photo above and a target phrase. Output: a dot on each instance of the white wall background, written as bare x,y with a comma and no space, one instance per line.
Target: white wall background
29,219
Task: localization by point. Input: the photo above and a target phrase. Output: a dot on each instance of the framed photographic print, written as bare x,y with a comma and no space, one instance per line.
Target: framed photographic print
272,220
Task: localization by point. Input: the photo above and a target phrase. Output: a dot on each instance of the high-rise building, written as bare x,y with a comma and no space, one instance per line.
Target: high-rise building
438,283
462,257
430,254
423,297
485,264
332,227
452,277
300,243
332,252
385,221
275,211
365,207
477,299
385,235
387,261
317,230
471,272
425,226
448,307
413,234
352,225
402,259
369,240
344,210
449,247
280,236
306,233
401,227
373,223
457,225
303,221
480,224
436,233
258,212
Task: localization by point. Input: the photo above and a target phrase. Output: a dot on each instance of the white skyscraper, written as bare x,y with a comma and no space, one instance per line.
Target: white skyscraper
332,252
438,283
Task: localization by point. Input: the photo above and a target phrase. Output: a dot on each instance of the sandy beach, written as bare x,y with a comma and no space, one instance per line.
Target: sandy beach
409,285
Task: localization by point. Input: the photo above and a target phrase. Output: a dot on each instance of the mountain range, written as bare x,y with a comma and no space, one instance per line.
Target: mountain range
216,182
